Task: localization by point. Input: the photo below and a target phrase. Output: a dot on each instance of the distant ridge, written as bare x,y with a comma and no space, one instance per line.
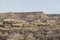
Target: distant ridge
24,15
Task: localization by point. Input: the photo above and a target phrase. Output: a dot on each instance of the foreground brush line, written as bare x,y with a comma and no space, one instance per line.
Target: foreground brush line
29,26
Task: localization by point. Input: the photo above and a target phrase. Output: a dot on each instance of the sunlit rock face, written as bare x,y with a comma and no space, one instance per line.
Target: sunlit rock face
29,26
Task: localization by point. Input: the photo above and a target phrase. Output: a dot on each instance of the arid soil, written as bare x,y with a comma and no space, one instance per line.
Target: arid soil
29,26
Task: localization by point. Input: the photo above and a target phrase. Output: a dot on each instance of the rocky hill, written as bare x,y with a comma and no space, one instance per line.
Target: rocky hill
29,26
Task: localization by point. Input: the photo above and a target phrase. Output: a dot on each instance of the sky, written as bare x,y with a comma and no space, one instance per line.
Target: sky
47,6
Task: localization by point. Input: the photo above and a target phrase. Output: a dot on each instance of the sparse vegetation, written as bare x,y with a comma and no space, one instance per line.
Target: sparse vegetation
29,26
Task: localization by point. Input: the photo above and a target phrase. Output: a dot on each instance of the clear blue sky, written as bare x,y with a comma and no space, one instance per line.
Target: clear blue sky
48,6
